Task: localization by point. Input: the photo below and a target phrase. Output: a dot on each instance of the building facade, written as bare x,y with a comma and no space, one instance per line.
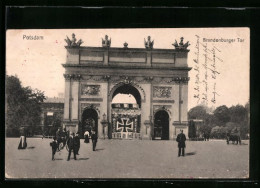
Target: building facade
52,115
157,78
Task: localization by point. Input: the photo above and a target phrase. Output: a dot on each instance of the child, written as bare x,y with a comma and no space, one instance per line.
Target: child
54,146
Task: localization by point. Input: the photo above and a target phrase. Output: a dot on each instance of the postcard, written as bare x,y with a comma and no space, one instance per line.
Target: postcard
160,103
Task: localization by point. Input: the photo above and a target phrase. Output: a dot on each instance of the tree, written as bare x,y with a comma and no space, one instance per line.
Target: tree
22,105
218,132
192,130
222,115
205,129
231,125
238,113
198,112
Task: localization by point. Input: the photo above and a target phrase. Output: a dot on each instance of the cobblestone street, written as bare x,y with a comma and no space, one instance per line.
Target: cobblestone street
128,159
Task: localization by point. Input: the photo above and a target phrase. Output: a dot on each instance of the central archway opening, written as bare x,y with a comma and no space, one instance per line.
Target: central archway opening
161,125
125,112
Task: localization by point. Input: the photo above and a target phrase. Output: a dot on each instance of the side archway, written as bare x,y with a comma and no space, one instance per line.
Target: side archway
89,120
161,125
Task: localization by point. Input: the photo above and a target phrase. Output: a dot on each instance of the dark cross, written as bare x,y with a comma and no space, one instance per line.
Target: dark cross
124,124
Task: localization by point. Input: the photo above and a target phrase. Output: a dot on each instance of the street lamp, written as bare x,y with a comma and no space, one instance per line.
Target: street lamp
104,117
104,122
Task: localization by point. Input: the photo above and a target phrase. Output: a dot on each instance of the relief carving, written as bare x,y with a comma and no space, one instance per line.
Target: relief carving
162,92
90,90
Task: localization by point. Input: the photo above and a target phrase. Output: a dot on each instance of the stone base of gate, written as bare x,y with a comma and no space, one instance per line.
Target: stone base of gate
126,136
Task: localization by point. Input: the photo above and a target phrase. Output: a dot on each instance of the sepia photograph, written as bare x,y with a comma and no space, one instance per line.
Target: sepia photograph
162,103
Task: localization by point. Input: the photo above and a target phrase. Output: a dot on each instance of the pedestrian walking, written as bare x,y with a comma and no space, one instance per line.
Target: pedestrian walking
77,143
71,146
22,143
86,137
58,136
54,146
94,140
181,138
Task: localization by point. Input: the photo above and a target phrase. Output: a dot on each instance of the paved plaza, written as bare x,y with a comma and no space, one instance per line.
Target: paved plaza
128,159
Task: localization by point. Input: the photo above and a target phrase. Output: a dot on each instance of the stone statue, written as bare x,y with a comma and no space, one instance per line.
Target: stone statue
73,40
106,42
148,44
125,45
175,44
181,45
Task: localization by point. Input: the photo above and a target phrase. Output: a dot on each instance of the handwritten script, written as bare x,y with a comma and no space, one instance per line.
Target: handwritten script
206,61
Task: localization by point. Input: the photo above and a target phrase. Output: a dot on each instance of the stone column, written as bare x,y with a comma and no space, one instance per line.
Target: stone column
66,116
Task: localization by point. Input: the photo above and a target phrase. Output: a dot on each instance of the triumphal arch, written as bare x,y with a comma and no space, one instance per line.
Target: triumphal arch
156,78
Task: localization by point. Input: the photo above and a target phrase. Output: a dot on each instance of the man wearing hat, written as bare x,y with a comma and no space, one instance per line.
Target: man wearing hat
71,145
77,143
181,138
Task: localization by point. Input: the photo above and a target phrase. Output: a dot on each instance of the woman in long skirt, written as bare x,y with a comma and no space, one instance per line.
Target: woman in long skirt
86,136
22,143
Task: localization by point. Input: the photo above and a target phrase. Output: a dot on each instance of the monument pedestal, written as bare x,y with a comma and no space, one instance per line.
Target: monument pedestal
105,128
71,126
147,135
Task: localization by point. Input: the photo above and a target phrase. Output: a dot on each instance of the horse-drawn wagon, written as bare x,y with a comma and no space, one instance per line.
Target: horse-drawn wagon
234,136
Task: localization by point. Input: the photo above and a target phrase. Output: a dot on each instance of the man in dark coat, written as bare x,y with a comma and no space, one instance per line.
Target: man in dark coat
181,138
94,140
54,146
71,146
77,143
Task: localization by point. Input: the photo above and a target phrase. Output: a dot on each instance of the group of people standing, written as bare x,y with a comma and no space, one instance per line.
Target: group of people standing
73,143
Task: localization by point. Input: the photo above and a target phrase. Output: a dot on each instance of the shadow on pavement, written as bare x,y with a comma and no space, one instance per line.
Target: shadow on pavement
83,159
59,159
99,149
32,147
190,153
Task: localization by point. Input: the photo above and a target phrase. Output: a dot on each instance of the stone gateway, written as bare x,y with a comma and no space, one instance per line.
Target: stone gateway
156,78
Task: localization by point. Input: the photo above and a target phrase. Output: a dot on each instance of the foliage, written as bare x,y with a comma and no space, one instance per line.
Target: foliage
205,129
198,112
222,120
218,132
22,106
222,115
192,130
238,113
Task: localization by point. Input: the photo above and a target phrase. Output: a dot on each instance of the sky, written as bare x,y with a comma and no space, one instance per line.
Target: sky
38,63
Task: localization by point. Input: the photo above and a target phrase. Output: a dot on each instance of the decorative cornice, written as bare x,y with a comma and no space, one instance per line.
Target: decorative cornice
75,77
163,101
104,66
91,99
136,79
